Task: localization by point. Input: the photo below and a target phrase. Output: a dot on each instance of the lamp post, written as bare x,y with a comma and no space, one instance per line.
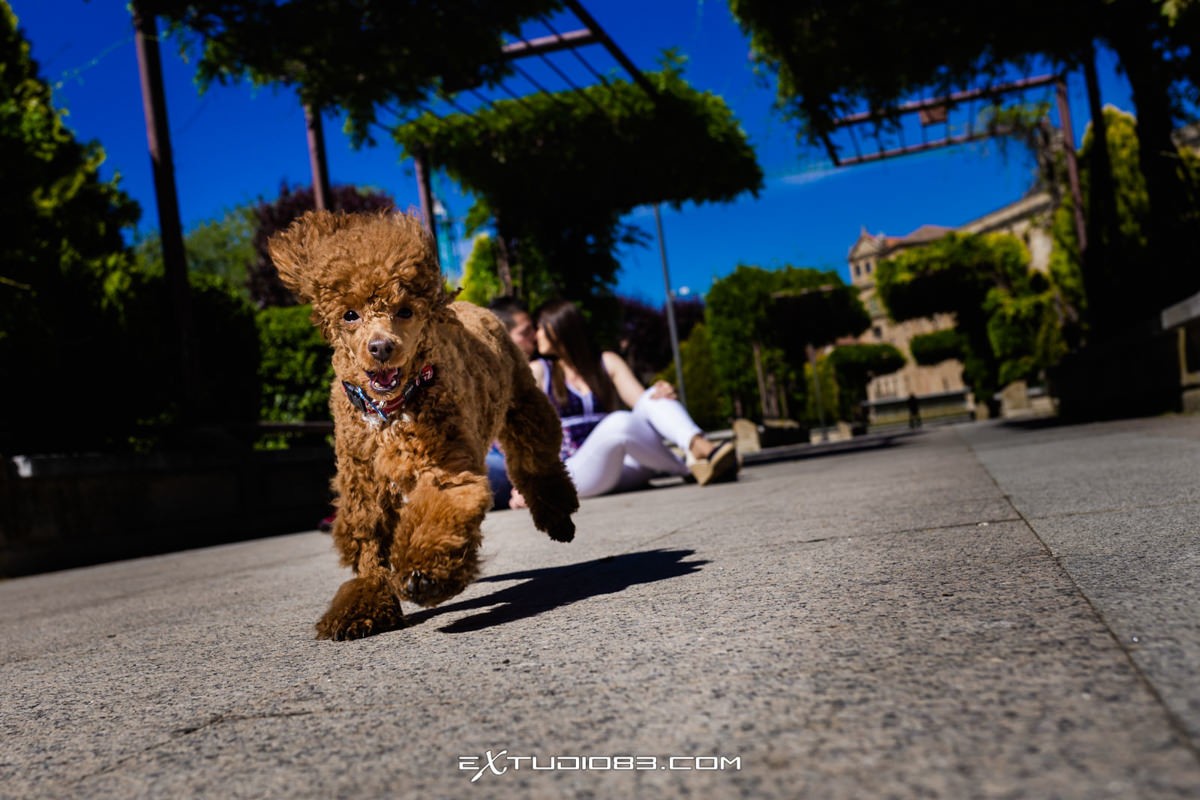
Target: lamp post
674,331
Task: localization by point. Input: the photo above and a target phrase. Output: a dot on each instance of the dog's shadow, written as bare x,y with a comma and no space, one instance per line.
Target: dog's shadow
542,590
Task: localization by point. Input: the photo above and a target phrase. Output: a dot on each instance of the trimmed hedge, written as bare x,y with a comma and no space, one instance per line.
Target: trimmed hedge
295,372
934,348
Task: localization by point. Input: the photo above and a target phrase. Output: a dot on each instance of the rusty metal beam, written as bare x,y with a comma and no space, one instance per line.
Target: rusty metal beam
829,147
915,148
1064,119
946,100
549,44
425,192
611,46
318,159
158,140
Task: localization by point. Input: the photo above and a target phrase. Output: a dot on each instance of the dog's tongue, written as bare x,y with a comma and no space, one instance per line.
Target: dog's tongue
384,378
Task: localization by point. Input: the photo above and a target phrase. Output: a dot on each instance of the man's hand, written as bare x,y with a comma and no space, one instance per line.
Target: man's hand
515,500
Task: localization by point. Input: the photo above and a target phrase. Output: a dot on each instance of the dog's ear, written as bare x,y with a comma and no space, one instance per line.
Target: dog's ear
293,250
418,250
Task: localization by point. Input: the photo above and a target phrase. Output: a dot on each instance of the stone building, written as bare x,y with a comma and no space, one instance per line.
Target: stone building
939,387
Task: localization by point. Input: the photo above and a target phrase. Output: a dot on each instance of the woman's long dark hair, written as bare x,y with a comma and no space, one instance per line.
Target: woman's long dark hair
567,331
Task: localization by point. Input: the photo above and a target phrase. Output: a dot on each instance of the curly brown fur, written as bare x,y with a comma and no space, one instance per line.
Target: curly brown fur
412,492
361,607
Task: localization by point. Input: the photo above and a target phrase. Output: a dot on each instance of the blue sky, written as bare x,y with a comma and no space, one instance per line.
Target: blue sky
234,145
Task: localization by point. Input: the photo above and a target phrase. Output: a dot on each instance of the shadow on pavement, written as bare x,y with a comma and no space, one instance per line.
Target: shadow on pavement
546,589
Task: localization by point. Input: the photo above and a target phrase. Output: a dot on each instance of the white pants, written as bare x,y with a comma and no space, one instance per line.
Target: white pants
626,449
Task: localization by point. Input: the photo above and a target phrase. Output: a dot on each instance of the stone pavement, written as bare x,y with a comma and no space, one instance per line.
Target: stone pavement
977,611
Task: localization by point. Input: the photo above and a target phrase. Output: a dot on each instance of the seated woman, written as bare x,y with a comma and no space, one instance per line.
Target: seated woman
606,448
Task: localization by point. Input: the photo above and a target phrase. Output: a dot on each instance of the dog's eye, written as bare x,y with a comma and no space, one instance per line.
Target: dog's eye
404,313
350,316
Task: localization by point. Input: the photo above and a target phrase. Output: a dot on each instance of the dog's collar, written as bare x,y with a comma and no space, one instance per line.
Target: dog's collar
385,411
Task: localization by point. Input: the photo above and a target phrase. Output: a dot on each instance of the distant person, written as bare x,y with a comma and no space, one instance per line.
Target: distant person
515,316
914,411
605,447
860,422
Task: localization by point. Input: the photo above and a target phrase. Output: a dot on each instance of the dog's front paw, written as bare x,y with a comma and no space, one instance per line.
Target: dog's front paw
361,607
552,500
562,531
425,590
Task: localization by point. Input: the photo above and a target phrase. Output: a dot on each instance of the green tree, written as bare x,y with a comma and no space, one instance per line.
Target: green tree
480,282
542,168
1025,329
1112,288
360,57
829,60
296,370
815,316
221,248
706,404
644,338
735,314
746,312
821,404
61,257
140,358
854,365
970,276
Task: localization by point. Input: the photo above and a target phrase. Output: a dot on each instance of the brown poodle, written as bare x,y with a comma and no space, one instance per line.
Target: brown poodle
423,387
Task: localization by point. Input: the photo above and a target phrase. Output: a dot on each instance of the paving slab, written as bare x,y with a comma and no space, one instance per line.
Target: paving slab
953,615
1118,505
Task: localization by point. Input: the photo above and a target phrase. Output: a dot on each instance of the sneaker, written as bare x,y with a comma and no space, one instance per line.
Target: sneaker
721,465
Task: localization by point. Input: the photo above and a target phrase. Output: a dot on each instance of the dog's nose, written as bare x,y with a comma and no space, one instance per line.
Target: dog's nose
380,349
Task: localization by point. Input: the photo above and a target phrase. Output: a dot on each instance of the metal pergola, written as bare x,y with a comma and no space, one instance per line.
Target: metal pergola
938,111
585,32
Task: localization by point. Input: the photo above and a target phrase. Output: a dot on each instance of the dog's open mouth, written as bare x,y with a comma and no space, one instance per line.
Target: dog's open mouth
384,380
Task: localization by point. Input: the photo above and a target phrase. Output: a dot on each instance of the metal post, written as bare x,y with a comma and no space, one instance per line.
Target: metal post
158,139
812,359
316,157
503,257
756,348
425,189
1064,116
662,249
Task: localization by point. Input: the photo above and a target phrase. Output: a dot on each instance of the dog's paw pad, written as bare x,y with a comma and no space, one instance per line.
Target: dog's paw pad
343,630
346,631
419,588
360,608
427,591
